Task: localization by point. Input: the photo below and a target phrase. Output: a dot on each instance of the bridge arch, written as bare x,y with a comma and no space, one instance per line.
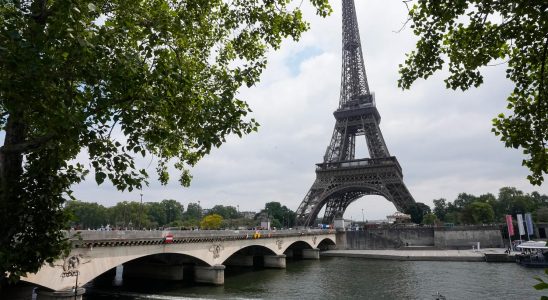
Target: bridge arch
251,250
299,245
105,259
338,197
326,244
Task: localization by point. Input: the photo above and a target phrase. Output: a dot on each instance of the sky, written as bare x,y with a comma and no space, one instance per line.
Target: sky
442,138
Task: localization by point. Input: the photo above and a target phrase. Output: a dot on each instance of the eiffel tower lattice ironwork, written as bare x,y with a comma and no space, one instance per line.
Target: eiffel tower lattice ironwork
342,178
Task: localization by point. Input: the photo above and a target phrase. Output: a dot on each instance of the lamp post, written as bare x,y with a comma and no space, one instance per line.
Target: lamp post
363,219
141,213
76,285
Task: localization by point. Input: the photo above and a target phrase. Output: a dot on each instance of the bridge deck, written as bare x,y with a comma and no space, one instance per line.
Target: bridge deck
87,238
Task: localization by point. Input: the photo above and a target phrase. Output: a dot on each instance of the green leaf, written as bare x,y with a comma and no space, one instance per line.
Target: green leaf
100,177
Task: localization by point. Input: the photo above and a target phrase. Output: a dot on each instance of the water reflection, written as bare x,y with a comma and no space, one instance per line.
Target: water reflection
118,279
344,278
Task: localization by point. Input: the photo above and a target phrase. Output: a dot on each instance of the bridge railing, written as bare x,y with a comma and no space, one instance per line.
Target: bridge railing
117,235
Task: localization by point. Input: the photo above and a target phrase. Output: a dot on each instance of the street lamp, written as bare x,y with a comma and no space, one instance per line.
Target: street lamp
363,219
141,213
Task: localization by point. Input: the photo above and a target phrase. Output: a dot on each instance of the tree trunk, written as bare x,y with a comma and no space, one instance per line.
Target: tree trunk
11,169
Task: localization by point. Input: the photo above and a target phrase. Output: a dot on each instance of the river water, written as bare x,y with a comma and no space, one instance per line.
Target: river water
345,278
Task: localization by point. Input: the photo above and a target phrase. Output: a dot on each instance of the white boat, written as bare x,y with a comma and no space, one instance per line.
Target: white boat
533,245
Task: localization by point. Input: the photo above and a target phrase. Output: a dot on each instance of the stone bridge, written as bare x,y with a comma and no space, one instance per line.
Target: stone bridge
201,255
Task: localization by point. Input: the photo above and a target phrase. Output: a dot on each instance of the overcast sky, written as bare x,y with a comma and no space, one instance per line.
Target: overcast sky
441,138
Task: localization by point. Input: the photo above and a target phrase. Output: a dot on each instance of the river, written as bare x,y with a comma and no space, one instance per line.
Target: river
345,278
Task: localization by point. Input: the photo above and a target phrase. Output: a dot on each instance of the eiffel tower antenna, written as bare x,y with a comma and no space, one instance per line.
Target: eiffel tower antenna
354,86
342,178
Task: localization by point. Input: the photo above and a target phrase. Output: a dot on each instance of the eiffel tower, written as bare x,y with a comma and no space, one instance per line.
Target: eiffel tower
342,178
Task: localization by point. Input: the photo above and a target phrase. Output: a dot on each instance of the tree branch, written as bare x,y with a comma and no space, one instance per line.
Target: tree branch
408,17
27,145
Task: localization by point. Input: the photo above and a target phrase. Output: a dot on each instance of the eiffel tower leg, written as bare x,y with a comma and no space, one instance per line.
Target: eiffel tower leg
310,206
401,197
333,209
336,206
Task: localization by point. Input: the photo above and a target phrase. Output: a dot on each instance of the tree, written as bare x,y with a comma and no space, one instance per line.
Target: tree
128,214
539,200
542,214
440,208
482,213
174,210
211,222
506,198
156,213
463,200
417,211
487,208
280,216
429,219
87,215
193,212
118,79
471,34
227,212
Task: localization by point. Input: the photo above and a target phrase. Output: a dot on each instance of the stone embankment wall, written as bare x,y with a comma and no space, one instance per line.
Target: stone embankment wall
434,237
388,238
465,237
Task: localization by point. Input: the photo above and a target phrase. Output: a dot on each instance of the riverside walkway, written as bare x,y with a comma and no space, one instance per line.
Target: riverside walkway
417,254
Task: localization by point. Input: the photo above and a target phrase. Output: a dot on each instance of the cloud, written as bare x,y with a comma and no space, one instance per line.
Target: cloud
441,138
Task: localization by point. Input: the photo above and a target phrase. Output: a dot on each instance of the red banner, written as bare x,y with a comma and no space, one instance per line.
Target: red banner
510,225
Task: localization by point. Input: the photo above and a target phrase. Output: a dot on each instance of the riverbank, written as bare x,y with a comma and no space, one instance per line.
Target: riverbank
417,255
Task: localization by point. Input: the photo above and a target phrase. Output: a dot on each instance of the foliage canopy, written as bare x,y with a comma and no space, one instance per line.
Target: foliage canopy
470,34
279,215
212,221
486,208
118,79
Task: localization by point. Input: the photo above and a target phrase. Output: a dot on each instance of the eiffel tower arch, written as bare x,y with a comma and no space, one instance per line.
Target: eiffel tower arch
343,178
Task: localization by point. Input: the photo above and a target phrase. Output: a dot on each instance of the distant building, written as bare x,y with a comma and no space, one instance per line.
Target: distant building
540,230
399,218
265,225
248,214
377,221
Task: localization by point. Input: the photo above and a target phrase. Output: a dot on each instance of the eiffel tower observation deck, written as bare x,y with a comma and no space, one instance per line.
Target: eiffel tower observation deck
343,178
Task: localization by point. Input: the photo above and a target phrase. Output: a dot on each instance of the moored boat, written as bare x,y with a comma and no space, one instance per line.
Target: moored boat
534,254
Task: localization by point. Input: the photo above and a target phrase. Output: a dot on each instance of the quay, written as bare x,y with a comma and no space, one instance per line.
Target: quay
418,255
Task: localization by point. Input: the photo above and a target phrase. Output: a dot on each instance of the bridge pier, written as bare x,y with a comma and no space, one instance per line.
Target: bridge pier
60,295
212,275
311,253
240,261
289,253
274,261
